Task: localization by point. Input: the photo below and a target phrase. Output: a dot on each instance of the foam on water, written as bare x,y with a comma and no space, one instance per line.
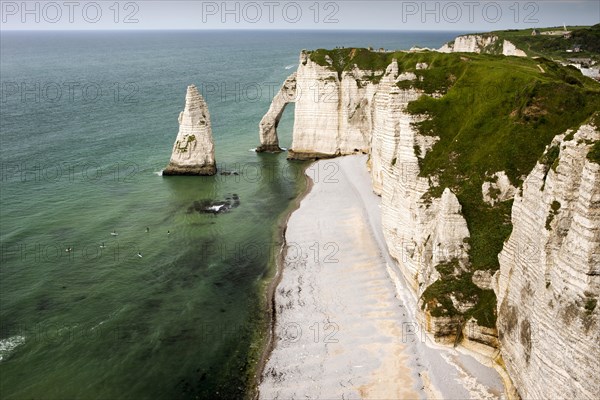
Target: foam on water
9,344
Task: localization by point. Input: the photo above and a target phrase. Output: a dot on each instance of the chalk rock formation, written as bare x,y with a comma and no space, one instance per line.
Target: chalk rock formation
332,111
549,278
269,142
509,49
468,44
194,150
481,44
421,232
351,112
498,190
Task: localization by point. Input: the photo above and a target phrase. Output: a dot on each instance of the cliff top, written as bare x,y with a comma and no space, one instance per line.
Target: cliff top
555,42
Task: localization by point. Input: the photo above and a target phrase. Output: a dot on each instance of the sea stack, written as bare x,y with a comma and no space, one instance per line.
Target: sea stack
194,149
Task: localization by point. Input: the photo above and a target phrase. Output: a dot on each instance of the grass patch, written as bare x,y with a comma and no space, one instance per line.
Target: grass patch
594,153
554,208
550,157
590,305
439,304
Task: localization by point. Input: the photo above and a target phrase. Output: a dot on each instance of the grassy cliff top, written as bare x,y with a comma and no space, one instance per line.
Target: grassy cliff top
587,38
549,46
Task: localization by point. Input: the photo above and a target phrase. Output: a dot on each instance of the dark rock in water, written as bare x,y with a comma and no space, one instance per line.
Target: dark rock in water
229,173
44,304
207,206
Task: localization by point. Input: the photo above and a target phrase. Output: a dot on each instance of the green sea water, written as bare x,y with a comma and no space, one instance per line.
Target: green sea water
88,120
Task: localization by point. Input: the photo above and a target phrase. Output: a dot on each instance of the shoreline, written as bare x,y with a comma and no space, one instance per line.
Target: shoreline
269,344
376,357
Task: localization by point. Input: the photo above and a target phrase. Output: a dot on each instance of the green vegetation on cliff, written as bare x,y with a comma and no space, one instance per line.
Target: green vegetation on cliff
554,43
582,38
499,114
437,297
594,153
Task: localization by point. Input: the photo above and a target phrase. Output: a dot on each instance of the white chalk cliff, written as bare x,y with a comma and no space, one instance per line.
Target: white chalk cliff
337,114
481,44
545,331
549,278
331,112
194,151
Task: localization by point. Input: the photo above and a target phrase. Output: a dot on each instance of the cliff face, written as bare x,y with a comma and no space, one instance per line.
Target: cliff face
549,278
468,44
332,111
488,44
194,151
360,110
438,184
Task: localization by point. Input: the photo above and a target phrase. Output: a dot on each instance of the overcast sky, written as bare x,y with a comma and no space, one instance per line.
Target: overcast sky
466,16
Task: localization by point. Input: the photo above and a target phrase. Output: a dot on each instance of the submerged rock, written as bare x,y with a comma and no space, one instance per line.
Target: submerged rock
207,206
194,150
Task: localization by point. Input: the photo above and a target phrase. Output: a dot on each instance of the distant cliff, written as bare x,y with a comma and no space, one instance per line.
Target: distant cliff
484,43
452,139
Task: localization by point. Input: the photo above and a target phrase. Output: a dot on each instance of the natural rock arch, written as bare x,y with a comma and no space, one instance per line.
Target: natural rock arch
269,142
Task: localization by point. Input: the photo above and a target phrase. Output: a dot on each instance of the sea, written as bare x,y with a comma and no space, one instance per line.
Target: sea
113,283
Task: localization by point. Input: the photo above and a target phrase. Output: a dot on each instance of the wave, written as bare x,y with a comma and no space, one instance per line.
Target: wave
158,173
9,344
290,66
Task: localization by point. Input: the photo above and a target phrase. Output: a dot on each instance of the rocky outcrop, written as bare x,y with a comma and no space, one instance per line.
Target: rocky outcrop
269,142
422,232
498,189
194,150
332,111
509,49
332,114
389,119
485,44
468,44
549,277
